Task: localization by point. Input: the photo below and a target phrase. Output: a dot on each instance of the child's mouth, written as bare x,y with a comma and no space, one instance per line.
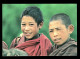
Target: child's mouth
57,40
28,34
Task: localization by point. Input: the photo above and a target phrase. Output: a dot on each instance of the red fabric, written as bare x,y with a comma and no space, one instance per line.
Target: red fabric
36,47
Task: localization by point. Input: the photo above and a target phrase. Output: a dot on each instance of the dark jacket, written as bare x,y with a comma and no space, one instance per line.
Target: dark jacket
67,49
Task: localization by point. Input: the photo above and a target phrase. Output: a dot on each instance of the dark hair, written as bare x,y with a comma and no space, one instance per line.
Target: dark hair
33,12
64,17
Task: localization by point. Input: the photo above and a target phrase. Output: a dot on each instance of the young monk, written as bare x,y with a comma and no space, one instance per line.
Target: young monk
34,43
60,28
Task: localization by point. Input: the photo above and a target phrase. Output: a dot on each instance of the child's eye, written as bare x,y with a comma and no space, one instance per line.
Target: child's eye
50,31
23,24
58,29
31,24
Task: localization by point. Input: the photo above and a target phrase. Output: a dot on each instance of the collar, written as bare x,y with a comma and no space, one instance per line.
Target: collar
35,37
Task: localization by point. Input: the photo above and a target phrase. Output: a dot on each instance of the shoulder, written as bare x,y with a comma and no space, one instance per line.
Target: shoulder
72,45
73,42
43,36
19,37
71,50
15,42
45,39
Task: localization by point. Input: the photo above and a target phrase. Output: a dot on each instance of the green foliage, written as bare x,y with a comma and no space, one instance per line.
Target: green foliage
11,13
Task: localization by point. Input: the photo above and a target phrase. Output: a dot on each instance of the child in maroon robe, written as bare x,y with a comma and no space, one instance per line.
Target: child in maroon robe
32,42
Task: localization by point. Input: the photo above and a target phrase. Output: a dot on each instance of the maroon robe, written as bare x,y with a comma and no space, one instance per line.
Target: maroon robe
36,47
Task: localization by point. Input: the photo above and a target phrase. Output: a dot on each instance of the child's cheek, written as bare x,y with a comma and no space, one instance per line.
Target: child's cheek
22,28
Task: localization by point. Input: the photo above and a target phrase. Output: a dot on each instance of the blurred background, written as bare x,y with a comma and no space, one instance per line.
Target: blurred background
11,13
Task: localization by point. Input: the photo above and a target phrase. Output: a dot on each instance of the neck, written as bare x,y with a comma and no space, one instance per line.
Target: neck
35,37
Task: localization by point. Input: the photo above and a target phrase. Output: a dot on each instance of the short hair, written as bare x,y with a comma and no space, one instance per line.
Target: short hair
34,12
64,17
13,52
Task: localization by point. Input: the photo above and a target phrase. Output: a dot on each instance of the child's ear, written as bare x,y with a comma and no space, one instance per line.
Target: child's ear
70,28
40,25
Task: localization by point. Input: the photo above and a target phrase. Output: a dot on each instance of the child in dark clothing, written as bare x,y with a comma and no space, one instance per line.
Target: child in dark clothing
60,28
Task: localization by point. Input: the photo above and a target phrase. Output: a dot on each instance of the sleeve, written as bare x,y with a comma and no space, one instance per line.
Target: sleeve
13,44
71,51
48,46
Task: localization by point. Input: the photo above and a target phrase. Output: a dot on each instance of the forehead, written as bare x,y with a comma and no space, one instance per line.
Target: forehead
56,23
27,19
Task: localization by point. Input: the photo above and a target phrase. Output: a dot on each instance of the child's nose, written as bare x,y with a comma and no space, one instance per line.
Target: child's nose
55,34
27,28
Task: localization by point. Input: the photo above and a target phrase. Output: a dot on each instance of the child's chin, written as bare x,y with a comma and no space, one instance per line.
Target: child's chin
28,37
59,43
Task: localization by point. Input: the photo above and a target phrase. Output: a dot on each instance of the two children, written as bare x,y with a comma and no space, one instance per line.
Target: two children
36,44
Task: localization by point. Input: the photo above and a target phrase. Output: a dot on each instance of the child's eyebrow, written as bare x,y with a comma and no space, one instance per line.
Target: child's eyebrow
22,22
51,29
31,22
57,28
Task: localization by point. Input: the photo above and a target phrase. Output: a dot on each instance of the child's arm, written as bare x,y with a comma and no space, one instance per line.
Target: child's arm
4,45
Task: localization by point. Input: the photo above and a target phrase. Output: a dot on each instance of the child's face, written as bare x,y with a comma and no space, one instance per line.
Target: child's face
29,27
58,32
